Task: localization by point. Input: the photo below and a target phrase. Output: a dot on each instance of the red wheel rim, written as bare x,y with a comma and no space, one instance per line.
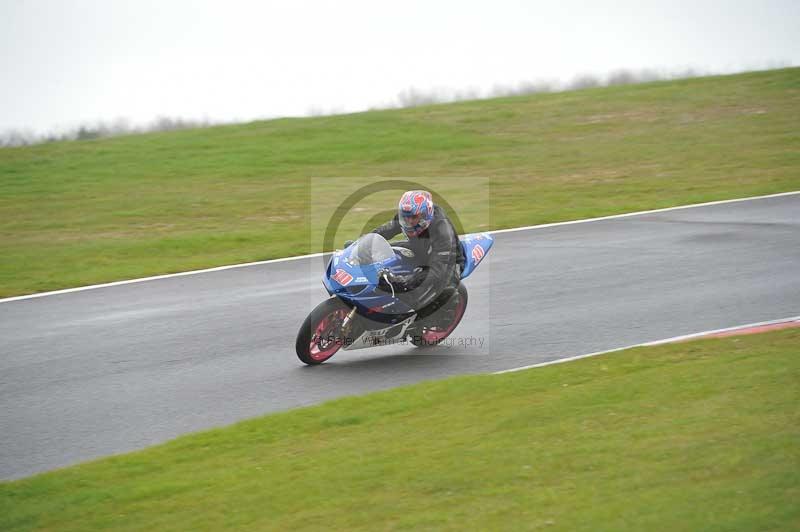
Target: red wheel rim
325,341
437,334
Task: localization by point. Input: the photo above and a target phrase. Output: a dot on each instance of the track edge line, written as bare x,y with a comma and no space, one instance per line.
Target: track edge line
312,255
663,341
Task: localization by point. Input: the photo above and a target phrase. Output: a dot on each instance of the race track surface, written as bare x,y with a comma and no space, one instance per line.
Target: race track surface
108,370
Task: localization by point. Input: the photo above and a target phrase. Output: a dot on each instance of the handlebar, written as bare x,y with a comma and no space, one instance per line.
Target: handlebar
390,276
386,275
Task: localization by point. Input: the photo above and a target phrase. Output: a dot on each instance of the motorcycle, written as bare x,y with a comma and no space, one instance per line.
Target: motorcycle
364,310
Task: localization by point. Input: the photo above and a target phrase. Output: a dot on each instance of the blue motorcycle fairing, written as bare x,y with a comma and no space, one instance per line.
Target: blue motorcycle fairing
476,246
358,284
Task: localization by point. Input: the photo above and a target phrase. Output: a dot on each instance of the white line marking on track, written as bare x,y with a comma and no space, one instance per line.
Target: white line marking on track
640,213
312,255
649,344
156,277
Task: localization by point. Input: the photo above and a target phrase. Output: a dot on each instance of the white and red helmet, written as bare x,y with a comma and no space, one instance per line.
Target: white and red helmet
415,212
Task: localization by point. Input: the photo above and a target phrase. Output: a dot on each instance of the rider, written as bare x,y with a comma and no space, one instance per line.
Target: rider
438,255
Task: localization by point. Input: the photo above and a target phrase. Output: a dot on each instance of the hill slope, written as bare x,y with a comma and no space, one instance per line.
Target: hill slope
92,211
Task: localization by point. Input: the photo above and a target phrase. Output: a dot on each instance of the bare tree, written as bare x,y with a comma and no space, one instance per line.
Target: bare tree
410,97
584,81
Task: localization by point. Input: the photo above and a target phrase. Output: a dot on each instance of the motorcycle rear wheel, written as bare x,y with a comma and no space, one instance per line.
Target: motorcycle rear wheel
432,330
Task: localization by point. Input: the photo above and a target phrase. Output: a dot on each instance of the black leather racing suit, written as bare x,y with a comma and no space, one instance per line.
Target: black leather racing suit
438,256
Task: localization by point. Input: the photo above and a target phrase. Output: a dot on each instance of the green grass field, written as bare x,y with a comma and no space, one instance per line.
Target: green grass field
692,436
77,213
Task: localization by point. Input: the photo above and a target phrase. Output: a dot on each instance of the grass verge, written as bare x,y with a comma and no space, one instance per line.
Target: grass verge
691,436
77,213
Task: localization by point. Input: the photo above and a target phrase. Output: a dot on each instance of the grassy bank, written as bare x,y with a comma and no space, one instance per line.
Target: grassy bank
693,436
91,211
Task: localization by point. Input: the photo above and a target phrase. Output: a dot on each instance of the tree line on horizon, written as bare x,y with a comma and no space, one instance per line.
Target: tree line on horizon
410,97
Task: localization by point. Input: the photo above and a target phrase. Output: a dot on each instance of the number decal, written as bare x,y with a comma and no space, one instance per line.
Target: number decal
342,277
477,253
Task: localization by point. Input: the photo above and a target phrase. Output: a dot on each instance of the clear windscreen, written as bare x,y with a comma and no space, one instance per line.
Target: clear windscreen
370,249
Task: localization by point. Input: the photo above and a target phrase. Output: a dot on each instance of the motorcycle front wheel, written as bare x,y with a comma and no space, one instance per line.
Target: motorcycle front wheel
320,336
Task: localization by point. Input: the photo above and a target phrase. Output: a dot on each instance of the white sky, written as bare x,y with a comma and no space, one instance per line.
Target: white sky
64,62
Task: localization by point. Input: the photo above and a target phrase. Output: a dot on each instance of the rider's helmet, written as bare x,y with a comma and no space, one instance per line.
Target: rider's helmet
415,212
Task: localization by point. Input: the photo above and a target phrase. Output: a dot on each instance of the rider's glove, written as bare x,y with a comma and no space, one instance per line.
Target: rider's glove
405,283
397,281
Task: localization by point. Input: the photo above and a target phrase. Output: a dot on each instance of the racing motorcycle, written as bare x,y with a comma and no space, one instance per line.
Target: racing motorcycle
365,311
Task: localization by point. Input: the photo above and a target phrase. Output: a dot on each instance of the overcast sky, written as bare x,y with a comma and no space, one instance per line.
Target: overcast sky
70,61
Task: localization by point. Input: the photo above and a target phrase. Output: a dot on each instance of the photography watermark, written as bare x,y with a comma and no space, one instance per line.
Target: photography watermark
412,340
403,288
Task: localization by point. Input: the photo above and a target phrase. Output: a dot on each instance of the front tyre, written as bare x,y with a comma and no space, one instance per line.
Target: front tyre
320,336
439,325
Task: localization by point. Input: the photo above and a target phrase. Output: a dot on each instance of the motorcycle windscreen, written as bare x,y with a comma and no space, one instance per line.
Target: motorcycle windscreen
371,248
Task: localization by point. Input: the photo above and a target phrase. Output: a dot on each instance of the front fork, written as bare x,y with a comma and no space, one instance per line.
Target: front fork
347,323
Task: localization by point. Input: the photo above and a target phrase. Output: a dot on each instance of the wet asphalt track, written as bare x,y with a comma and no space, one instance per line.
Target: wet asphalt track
103,371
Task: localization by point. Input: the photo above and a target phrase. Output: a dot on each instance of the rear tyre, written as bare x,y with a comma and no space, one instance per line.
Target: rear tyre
439,325
320,336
